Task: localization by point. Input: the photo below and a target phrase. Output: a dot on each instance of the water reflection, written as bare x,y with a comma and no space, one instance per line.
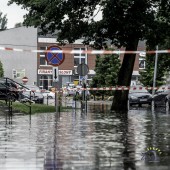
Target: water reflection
77,140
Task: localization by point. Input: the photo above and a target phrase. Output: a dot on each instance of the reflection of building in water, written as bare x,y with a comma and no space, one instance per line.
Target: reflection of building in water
71,145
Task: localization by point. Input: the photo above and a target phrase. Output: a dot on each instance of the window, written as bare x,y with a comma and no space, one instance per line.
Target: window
43,61
141,63
18,73
46,82
80,58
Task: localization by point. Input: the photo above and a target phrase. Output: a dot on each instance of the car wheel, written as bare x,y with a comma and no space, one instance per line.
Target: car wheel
167,105
12,97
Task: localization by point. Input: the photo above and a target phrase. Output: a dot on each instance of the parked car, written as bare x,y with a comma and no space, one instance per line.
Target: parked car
80,90
71,90
8,89
139,95
33,88
48,94
29,96
162,96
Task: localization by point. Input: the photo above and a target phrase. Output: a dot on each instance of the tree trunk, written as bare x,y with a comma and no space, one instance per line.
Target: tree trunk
120,100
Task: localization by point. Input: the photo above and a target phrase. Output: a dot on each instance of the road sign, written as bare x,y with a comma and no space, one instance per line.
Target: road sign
54,59
82,69
25,79
55,74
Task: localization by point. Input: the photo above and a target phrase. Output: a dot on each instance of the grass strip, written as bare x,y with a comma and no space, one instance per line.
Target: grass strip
35,108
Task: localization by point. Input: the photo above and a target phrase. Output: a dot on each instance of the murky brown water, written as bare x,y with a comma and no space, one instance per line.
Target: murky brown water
97,140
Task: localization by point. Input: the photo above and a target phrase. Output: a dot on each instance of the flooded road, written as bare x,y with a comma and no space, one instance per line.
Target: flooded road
96,140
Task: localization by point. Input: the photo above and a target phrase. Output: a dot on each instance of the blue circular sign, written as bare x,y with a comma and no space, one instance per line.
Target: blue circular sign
54,59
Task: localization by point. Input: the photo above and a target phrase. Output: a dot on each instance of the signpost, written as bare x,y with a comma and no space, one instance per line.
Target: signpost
55,74
25,80
55,59
83,70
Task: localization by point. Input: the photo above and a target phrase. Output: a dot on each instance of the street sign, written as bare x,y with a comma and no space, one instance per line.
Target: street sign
55,74
82,69
25,79
54,59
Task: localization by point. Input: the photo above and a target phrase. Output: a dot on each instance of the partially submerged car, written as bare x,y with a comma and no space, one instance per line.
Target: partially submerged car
162,96
8,90
138,95
29,96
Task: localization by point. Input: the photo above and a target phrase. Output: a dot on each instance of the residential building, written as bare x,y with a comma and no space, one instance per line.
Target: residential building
28,63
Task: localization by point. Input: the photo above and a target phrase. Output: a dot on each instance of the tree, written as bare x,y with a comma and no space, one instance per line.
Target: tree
163,66
3,22
19,24
124,23
106,69
1,70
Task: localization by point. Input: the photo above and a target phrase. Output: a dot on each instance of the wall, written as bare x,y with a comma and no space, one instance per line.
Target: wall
20,38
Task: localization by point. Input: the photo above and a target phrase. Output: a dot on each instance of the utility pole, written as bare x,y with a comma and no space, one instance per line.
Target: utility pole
155,71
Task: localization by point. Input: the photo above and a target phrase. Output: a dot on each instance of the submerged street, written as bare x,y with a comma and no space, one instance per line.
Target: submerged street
97,139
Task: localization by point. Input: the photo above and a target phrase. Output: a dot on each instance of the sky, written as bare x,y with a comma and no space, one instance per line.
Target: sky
14,13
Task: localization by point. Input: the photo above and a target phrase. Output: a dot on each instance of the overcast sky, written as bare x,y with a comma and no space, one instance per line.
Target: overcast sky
14,13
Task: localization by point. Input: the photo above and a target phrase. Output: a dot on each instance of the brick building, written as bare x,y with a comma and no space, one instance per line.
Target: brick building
34,66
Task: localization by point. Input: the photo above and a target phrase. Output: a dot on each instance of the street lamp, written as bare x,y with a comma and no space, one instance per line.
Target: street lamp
155,71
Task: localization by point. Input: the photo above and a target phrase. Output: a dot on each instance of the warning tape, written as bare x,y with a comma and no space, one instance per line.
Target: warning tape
65,90
86,52
121,88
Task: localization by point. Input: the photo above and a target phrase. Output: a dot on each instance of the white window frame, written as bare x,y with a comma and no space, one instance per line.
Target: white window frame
80,55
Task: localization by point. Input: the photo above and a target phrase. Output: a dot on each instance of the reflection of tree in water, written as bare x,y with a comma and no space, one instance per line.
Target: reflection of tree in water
128,141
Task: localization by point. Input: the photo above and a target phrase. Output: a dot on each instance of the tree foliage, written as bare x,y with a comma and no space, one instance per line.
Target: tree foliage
3,21
107,68
124,23
1,70
163,66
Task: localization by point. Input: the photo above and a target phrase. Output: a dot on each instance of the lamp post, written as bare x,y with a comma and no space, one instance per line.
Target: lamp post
155,71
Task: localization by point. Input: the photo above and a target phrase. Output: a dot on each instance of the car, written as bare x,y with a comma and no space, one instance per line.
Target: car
71,89
48,94
79,89
162,96
29,96
33,88
8,89
138,95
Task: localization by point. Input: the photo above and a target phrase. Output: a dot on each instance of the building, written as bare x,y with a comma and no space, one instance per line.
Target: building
18,64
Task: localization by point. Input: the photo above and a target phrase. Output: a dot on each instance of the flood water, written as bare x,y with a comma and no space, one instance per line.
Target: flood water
96,140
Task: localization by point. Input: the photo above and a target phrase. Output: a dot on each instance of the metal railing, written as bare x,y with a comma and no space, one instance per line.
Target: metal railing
9,93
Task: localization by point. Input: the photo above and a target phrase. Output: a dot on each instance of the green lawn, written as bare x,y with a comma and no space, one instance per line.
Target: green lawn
35,108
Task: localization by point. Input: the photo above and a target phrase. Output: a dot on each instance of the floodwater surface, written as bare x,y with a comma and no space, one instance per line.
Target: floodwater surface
96,140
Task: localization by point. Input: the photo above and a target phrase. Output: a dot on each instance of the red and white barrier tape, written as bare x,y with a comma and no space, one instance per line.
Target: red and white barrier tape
86,52
120,88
